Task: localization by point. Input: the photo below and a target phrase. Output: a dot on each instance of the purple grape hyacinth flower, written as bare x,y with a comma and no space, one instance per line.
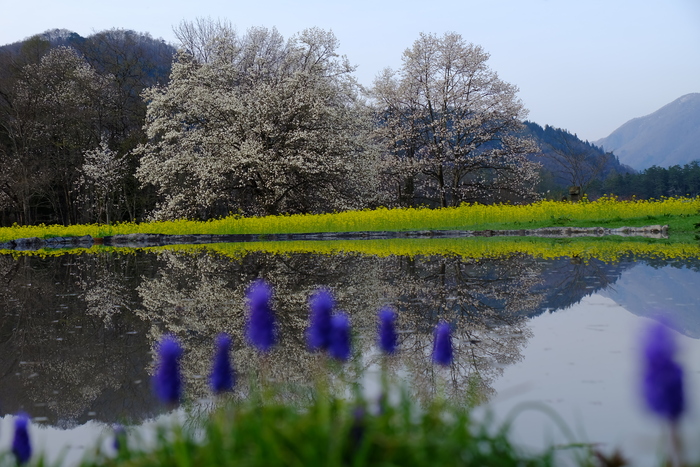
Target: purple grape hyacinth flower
387,336
340,342
222,376
662,382
261,319
442,345
168,379
320,328
119,436
21,447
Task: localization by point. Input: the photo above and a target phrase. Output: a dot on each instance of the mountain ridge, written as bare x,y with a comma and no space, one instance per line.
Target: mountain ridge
667,137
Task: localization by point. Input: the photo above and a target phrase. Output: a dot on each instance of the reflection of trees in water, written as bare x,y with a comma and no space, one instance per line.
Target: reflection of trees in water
197,296
486,302
77,330
106,285
58,361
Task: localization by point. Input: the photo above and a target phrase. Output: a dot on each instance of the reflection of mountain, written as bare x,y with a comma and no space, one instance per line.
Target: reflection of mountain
671,291
565,281
646,287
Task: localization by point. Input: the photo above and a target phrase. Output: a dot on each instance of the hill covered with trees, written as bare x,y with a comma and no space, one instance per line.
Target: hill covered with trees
71,113
568,161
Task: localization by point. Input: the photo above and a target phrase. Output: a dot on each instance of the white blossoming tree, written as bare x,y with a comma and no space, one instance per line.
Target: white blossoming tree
451,126
255,124
55,113
102,176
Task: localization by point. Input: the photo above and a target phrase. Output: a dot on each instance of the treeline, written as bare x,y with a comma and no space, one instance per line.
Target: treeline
654,182
120,126
71,114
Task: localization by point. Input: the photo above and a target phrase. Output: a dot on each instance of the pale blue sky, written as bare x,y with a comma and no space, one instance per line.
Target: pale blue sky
586,65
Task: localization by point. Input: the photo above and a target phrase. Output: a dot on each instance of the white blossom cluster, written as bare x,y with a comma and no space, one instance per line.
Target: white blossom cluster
451,126
256,124
102,174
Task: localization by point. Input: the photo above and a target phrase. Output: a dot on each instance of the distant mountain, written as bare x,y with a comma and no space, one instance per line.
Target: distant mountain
670,136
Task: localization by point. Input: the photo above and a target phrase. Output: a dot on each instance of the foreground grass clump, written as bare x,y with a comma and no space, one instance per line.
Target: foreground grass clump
331,432
681,214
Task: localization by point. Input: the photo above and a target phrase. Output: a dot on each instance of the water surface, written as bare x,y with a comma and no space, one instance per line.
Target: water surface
78,330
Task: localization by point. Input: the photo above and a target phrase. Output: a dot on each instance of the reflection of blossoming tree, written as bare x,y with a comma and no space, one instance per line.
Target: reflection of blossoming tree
104,285
61,362
109,310
197,296
486,301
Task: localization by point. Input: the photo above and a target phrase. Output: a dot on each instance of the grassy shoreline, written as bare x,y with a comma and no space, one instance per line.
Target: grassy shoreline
680,214
335,432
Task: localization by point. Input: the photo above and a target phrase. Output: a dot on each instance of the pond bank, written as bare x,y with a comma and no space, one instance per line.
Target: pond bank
139,240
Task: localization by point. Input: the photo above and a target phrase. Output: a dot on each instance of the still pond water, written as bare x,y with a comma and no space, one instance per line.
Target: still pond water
77,333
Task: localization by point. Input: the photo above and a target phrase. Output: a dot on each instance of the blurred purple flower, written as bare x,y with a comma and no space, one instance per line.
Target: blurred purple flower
168,380
222,377
261,320
340,341
662,384
442,345
21,447
387,331
119,436
320,328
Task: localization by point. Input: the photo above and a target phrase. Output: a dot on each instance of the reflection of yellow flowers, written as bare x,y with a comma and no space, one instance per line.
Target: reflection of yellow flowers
584,249
473,247
465,217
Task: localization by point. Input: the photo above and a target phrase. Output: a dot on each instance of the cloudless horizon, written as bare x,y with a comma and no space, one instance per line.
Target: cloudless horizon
587,67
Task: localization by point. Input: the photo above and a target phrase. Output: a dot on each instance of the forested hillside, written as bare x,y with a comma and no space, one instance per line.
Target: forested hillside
71,113
568,161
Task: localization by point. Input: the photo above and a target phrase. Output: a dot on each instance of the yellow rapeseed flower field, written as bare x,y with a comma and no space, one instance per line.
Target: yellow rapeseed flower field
605,210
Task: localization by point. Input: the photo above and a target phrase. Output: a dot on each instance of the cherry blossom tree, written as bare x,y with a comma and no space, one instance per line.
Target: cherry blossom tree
102,176
255,124
451,127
